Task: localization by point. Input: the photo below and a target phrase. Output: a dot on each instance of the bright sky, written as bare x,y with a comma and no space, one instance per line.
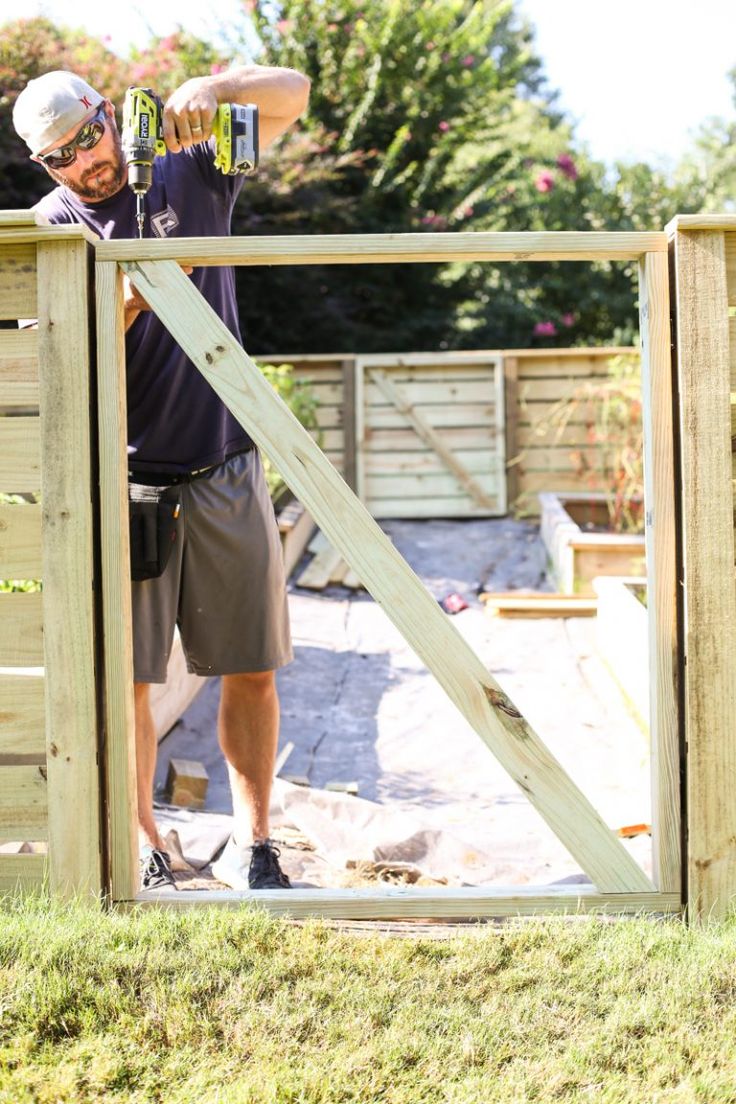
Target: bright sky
637,75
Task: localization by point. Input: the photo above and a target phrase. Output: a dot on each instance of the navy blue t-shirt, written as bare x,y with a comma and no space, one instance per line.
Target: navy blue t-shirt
176,422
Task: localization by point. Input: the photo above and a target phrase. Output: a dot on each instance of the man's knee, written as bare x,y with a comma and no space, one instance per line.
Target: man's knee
141,692
254,684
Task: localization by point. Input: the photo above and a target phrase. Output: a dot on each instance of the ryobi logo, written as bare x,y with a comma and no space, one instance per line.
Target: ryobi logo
144,125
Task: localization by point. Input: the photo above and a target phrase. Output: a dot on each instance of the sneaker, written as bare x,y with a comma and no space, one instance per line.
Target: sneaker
156,870
255,867
265,871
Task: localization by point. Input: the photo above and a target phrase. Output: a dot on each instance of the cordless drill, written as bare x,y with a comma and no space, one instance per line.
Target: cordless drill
234,128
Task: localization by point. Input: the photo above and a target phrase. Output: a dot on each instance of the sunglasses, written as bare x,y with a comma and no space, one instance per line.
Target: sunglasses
86,139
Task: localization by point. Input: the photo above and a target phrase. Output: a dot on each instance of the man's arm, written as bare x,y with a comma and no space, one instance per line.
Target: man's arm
281,96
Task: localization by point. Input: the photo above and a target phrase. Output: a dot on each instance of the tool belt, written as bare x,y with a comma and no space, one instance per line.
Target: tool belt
154,523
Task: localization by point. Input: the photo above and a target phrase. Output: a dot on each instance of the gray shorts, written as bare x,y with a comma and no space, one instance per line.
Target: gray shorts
224,584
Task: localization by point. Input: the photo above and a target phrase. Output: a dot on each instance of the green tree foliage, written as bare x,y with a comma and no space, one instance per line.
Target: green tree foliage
429,118
423,118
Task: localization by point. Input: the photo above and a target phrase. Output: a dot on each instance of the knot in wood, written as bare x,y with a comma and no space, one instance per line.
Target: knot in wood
500,701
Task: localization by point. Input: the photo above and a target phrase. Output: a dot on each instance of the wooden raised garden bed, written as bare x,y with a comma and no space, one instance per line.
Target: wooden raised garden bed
579,548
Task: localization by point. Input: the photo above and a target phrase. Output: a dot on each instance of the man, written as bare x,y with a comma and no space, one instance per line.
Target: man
224,582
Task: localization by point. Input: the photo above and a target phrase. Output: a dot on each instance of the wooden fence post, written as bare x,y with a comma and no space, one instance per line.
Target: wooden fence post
69,575
704,375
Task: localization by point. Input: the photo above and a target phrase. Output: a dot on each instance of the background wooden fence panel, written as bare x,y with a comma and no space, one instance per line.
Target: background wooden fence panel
535,380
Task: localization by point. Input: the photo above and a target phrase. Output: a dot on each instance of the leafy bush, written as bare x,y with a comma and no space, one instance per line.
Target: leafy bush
301,400
610,409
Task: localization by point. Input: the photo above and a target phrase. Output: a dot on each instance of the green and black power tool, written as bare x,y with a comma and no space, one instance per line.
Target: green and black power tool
234,128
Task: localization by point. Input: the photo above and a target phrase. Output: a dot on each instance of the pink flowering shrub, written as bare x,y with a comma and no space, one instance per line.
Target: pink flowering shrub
545,181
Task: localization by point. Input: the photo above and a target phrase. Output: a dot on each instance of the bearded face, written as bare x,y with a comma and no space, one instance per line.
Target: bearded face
101,179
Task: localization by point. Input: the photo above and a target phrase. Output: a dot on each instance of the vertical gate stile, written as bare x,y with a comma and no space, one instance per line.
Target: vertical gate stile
72,736
119,764
659,502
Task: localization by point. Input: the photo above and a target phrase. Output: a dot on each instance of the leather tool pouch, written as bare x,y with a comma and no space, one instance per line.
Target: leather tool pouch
154,523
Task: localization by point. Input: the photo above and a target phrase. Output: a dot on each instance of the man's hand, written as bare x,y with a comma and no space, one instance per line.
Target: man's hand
189,113
133,301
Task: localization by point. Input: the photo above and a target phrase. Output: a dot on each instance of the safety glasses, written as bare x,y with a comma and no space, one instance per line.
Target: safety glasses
86,139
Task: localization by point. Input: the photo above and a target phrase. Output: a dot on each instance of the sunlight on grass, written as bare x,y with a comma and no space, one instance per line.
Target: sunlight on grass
222,1006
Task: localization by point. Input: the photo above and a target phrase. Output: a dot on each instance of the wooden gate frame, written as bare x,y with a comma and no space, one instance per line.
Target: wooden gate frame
153,266
378,368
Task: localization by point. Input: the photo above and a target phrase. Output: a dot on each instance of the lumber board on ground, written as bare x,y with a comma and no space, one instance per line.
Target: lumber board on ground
21,630
539,605
20,541
120,773
22,724
22,872
353,532
388,248
398,902
17,281
20,454
708,559
75,862
317,574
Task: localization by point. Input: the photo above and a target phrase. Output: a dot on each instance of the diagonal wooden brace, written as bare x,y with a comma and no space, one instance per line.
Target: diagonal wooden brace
351,529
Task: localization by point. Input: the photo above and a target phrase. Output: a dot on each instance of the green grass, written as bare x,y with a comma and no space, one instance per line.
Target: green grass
214,1006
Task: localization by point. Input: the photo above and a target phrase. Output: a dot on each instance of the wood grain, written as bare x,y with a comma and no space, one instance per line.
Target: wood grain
659,502
21,630
20,454
22,724
23,803
68,568
389,248
22,872
708,559
18,368
17,281
120,770
20,541
417,902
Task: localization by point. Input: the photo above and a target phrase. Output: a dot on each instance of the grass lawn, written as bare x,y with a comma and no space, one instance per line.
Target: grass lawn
218,1007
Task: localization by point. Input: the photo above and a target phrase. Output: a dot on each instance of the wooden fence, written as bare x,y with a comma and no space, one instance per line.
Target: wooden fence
487,406
66,700
49,730
703,277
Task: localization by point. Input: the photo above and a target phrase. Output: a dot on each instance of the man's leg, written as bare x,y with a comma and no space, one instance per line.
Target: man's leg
146,748
248,730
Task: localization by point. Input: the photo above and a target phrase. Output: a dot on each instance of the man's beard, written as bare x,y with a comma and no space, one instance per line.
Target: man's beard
87,186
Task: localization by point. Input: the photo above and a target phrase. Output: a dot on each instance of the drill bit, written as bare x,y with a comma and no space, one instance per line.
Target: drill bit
139,213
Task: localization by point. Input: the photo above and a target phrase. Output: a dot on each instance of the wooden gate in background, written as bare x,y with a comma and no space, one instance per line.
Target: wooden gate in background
618,882
429,441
